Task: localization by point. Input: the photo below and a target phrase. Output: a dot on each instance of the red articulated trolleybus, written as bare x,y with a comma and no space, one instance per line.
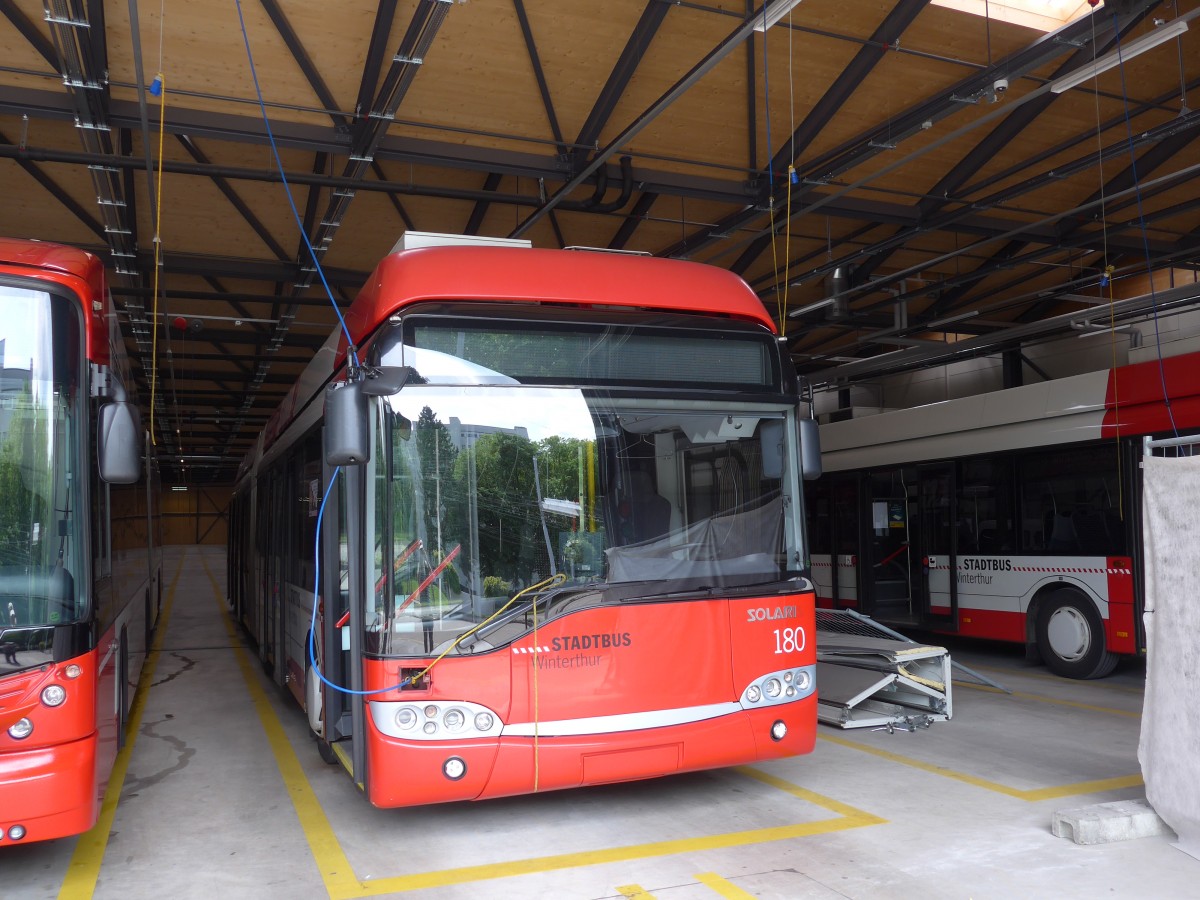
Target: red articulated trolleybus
565,542
1011,516
80,554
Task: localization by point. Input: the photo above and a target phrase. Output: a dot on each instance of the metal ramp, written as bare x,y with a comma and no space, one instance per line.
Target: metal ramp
869,676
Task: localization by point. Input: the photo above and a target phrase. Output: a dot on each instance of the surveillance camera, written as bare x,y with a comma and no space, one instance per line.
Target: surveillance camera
1000,86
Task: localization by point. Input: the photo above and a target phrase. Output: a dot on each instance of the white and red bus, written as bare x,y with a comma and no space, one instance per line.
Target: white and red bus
1010,516
575,553
80,554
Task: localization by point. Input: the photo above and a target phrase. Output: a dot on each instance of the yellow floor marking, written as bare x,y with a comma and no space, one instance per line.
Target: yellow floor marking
331,861
342,884
725,888
1032,795
1040,698
634,892
83,871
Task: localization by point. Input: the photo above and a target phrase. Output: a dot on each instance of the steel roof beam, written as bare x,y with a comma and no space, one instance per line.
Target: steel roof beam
850,80
292,41
385,15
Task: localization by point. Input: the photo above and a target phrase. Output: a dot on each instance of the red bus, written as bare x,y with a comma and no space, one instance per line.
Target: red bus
1010,516
568,550
80,555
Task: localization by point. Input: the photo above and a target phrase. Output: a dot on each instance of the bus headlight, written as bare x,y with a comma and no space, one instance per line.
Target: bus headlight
54,695
484,721
779,730
406,718
753,694
773,688
72,671
20,729
803,680
454,719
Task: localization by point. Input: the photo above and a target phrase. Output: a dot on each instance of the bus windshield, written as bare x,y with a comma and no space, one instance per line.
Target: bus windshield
41,357
494,496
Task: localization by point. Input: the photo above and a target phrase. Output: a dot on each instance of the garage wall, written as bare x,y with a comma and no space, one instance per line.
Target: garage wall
198,515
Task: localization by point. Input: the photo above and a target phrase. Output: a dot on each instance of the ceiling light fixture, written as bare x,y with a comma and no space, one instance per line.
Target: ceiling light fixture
1160,35
772,12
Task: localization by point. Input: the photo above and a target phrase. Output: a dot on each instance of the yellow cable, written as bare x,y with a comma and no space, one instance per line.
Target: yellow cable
787,251
536,666
1112,324
553,579
162,119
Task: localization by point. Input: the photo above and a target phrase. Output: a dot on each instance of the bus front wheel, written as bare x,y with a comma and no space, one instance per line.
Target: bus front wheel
1070,637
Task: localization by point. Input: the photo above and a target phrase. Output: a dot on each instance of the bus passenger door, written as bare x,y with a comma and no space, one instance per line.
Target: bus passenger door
935,532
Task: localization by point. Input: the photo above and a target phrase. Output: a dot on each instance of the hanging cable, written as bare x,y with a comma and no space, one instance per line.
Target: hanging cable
162,120
413,679
287,189
770,155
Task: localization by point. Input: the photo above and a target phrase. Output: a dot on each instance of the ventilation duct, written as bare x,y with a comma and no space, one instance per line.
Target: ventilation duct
837,283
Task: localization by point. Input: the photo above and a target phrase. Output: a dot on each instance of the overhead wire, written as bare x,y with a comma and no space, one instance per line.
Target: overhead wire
287,189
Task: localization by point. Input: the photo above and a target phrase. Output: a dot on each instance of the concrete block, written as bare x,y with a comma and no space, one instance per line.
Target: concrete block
1104,823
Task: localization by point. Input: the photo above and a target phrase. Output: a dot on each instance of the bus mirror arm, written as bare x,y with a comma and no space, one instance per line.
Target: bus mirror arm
384,381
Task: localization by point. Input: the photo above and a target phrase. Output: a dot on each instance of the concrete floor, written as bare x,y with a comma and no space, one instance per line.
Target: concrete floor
225,796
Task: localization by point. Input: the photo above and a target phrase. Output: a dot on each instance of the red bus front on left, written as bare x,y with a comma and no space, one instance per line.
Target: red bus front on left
80,548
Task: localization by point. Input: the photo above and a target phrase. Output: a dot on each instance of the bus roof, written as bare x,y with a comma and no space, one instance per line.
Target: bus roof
1107,403
77,269
576,277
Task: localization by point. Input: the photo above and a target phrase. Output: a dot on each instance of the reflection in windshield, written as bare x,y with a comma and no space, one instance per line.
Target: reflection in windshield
495,489
40,352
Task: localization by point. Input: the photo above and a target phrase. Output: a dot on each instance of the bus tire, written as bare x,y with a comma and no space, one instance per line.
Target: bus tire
1070,637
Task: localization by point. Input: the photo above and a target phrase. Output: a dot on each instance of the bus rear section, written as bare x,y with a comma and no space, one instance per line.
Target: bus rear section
1010,516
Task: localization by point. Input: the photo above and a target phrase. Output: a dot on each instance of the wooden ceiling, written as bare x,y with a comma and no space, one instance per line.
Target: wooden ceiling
860,154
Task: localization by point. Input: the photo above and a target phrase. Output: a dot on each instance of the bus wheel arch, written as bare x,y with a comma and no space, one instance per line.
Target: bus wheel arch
1069,634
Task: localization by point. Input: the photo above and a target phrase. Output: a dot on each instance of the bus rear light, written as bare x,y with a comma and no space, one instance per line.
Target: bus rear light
54,695
20,729
72,671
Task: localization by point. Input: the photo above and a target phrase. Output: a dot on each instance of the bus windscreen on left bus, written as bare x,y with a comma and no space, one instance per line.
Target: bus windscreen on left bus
40,529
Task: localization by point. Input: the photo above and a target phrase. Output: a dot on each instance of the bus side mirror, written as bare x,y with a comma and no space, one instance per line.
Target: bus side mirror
119,442
347,437
810,449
